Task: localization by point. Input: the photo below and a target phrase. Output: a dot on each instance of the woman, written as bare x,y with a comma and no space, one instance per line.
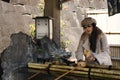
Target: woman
93,46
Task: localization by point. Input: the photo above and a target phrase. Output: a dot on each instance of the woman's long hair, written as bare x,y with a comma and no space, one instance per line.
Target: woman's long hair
94,36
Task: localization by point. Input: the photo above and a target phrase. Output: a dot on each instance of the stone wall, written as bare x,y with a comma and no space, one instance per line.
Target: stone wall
16,16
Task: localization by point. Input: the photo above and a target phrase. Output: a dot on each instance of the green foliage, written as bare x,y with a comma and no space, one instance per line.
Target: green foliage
41,6
32,30
63,24
64,44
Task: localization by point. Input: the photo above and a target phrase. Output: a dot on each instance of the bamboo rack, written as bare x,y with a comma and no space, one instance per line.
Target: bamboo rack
96,71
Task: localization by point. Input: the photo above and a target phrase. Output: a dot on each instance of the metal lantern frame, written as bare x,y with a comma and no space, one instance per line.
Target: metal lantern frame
43,27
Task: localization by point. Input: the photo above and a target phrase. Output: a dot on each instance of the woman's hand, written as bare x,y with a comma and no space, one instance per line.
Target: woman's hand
87,53
71,59
81,64
89,56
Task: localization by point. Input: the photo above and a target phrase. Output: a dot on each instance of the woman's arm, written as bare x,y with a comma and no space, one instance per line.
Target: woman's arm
103,56
79,52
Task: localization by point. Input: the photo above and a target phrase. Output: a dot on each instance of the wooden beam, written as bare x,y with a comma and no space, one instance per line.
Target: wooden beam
52,10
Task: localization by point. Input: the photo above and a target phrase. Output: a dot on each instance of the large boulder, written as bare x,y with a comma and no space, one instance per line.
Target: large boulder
16,55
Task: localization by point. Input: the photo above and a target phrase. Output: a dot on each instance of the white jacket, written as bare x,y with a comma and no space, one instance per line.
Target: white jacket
102,53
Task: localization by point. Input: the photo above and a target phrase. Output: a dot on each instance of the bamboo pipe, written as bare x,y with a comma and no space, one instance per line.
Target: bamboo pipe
83,73
104,67
78,70
112,72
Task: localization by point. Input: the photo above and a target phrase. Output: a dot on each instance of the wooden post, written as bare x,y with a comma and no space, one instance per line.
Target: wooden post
52,10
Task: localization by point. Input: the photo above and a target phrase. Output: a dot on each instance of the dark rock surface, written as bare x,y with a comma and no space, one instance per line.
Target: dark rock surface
50,51
17,55
23,49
